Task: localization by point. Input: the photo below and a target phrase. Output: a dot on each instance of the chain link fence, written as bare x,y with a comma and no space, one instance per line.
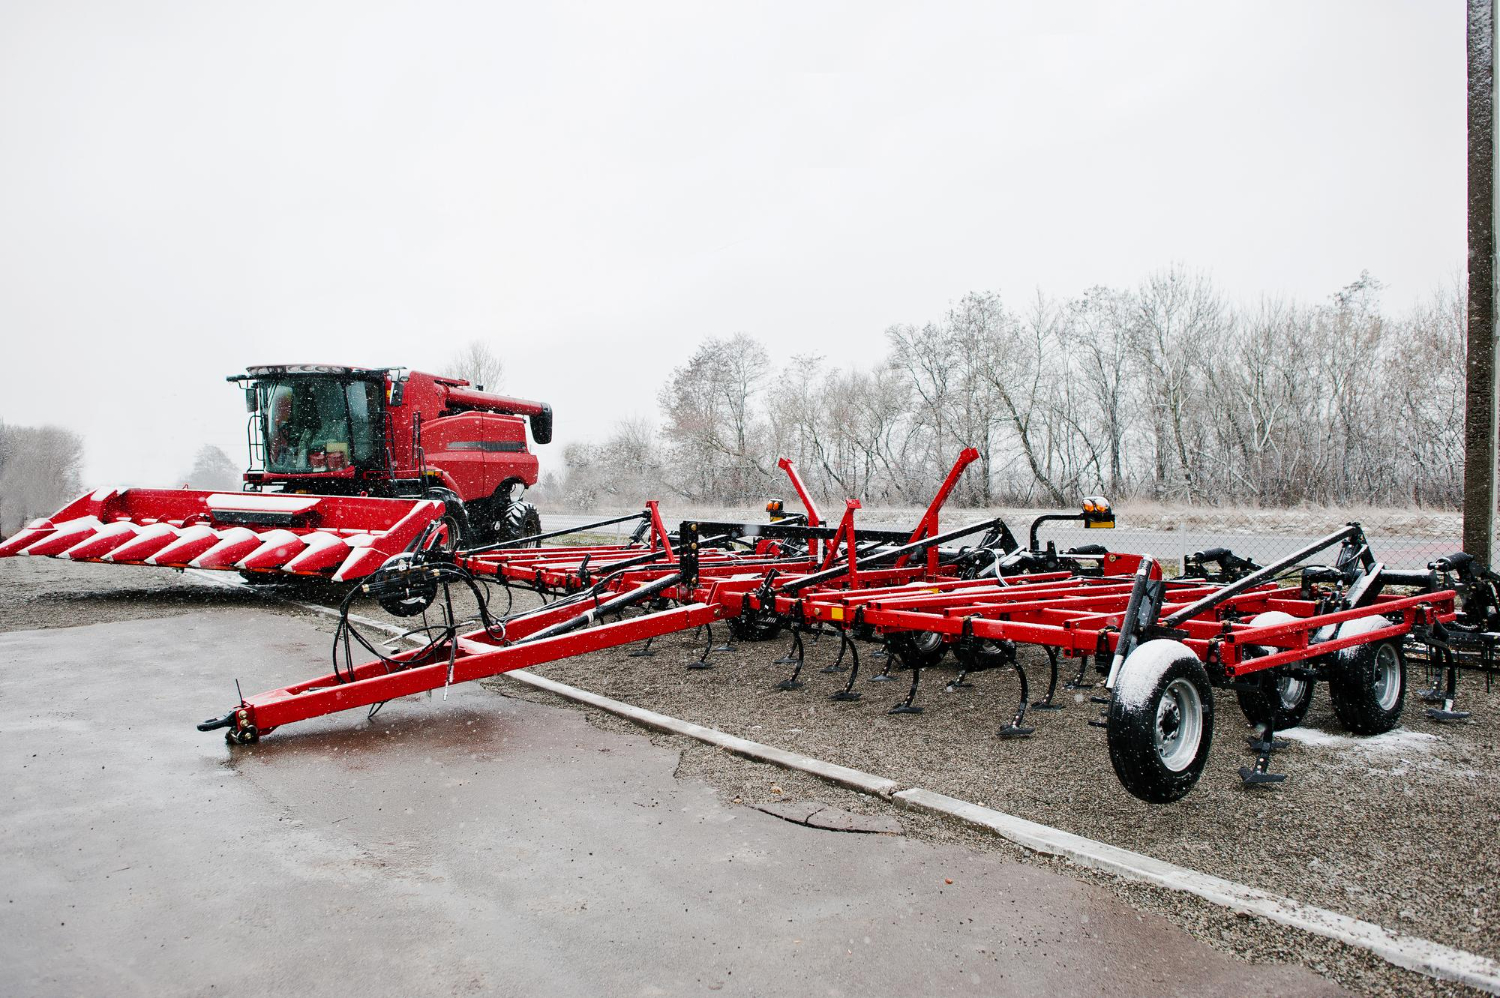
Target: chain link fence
1399,538
1404,538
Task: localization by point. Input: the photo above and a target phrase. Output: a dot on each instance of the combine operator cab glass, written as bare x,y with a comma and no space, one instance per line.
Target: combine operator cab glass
319,425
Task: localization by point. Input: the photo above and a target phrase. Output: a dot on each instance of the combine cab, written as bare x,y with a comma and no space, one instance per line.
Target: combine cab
349,466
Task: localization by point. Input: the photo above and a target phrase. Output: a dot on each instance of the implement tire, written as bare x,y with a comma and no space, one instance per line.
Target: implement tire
1280,697
919,649
1368,682
754,626
412,599
1161,721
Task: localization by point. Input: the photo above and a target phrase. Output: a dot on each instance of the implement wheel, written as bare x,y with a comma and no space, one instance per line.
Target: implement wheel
919,649
1280,697
754,626
1368,682
1161,721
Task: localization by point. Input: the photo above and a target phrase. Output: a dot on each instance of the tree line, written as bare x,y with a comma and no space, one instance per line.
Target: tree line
40,469
1166,391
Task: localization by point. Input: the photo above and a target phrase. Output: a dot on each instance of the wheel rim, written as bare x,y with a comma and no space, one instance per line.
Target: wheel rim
928,642
1179,725
1291,690
1387,676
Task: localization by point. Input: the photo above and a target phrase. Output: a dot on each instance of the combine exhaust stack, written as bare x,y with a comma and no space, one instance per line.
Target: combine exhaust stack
339,538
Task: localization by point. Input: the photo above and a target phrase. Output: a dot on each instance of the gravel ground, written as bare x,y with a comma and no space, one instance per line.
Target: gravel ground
1393,830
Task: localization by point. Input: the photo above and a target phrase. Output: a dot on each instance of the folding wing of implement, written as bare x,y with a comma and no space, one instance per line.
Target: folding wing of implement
340,538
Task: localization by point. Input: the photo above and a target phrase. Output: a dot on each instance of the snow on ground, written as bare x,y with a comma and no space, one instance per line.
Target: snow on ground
1398,740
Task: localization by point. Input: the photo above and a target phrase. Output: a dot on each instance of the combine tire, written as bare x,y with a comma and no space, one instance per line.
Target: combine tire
455,518
1368,682
261,578
520,519
1161,721
1280,698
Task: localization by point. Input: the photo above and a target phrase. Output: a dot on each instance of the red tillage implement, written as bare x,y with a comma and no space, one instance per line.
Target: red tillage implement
1160,646
335,537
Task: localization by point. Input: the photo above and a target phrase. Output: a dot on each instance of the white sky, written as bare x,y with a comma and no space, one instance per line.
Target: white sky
189,188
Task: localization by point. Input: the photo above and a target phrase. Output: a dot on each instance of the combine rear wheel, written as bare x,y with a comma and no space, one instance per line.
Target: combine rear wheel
520,519
1161,721
455,519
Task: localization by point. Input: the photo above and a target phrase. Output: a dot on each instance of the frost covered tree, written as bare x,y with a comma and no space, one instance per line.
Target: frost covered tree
477,364
1166,390
40,470
712,409
212,469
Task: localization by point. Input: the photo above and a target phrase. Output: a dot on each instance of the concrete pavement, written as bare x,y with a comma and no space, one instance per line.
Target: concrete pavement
479,846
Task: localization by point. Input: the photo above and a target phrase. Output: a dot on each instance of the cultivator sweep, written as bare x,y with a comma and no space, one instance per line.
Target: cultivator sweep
340,538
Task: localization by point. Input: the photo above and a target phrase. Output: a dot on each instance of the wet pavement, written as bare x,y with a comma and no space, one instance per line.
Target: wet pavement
485,845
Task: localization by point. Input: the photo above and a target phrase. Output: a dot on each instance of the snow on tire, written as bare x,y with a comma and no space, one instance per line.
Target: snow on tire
1161,721
1282,696
1367,683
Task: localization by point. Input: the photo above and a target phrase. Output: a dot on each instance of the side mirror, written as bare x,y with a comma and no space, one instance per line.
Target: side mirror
1097,513
394,393
252,400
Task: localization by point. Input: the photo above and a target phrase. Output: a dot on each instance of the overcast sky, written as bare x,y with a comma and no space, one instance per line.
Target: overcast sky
189,188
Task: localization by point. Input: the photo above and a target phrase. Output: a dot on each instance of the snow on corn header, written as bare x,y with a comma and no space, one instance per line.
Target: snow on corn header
1152,650
340,538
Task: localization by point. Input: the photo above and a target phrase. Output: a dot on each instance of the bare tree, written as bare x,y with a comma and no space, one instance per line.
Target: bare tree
1012,364
1098,324
1164,390
624,470
1178,319
479,365
710,404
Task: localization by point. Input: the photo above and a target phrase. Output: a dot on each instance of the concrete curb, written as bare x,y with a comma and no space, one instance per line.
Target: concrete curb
854,779
1421,956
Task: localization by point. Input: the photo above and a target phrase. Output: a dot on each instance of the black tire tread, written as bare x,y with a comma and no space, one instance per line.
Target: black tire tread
1132,750
519,519
1350,687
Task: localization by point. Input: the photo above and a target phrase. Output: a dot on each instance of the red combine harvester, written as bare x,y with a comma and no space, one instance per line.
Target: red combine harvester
349,467
393,433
